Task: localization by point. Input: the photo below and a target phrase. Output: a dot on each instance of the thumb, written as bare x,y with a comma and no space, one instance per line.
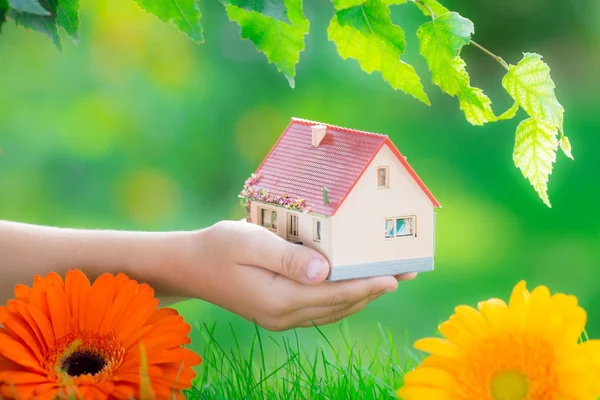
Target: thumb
301,263
297,262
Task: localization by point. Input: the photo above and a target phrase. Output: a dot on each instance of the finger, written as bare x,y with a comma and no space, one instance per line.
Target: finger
260,247
408,276
339,293
318,313
336,317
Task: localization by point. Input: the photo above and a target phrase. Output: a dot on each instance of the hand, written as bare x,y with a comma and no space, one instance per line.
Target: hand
256,274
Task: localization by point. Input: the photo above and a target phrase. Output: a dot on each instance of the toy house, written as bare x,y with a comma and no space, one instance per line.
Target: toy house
349,194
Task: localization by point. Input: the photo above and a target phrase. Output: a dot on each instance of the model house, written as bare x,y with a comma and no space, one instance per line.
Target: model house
350,195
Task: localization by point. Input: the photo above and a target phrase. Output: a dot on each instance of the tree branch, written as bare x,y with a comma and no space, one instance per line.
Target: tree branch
498,59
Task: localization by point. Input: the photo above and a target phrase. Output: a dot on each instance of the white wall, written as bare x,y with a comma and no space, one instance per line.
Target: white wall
359,225
305,227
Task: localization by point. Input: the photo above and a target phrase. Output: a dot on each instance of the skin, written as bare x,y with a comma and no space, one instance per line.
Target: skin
238,266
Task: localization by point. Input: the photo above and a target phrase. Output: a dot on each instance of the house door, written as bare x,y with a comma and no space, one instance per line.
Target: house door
292,227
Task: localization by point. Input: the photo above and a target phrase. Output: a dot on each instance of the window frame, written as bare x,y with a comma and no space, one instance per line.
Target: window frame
289,218
394,221
317,227
386,168
271,227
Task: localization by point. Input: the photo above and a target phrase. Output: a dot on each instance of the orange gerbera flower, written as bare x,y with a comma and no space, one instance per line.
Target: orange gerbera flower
71,339
528,349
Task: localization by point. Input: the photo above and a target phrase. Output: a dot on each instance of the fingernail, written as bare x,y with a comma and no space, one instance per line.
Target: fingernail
389,290
315,268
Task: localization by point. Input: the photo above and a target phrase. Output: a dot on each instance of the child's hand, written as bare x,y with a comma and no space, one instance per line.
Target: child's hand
254,273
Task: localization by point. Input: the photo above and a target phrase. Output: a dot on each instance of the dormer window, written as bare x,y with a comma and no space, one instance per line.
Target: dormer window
383,177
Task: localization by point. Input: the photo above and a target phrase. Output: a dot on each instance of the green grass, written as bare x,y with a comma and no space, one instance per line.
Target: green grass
279,368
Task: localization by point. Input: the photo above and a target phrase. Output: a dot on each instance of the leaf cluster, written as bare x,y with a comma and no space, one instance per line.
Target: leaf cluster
363,30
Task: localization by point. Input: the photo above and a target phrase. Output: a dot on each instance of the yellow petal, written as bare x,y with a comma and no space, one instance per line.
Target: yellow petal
429,377
518,304
472,321
437,346
538,310
439,362
495,312
449,331
423,393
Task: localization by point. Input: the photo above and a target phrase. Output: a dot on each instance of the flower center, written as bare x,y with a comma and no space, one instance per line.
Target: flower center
85,356
509,385
83,362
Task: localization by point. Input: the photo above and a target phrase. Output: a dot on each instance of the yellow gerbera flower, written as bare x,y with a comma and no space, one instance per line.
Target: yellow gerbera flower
526,350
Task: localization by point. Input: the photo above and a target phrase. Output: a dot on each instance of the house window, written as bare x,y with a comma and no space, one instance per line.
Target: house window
383,174
317,231
400,227
292,225
268,218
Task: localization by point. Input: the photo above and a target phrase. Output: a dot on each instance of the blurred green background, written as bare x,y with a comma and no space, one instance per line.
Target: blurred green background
137,127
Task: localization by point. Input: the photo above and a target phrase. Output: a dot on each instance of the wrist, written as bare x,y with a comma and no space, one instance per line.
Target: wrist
166,263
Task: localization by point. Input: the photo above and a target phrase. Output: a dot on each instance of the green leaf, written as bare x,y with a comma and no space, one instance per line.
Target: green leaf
431,5
28,6
530,84
3,12
343,4
269,8
280,42
565,146
41,23
535,152
441,41
366,33
68,17
183,14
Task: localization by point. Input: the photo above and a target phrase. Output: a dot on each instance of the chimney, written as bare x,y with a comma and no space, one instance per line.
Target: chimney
318,133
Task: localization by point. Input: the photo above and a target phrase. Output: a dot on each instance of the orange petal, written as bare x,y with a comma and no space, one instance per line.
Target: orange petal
23,311
188,356
39,284
120,306
53,277
22,377
133,376
46,391
22,391
22,292
123,391
93,393
77,287
137,320
99,300
160,314
43,323
60,312
121,280
134,339
18,328
164,341
177,375
15,351
38,300
8,365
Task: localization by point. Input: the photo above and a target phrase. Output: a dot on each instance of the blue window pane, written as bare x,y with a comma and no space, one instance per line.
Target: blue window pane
404,227
389,228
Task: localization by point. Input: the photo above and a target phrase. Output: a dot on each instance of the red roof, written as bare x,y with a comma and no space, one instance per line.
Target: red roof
297,168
